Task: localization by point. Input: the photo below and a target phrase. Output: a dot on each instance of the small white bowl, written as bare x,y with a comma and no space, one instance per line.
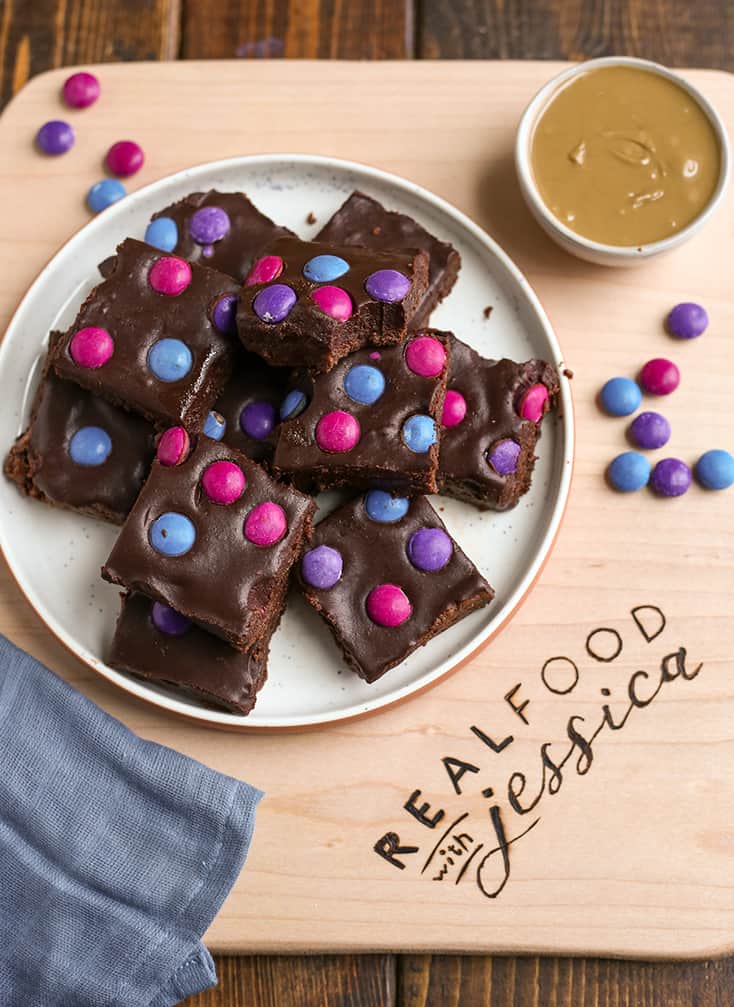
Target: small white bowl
577,244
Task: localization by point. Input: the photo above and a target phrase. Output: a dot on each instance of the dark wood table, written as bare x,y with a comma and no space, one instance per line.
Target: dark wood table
38,34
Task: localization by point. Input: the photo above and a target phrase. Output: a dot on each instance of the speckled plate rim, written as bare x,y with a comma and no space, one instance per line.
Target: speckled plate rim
197,175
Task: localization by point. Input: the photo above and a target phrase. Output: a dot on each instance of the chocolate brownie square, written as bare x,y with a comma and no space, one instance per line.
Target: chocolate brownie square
371,421
491,424
309,304
80,452
222,230
387,577
154,642
361,220
213,537
153,337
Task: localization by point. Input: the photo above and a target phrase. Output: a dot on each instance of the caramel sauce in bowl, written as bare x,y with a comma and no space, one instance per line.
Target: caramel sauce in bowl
619,159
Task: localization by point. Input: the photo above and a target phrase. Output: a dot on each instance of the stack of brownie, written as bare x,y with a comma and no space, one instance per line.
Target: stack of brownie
224,372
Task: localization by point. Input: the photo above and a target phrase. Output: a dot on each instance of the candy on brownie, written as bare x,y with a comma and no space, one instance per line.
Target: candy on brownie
387,577
212,536
310,304
361,220
222,230
153,337
154,642
373,420
490,426
80,452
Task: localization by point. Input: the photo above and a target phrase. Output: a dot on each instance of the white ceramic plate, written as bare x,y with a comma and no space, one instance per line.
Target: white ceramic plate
56,555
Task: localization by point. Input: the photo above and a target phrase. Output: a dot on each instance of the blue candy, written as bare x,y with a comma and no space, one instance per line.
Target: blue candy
620,396
325,268
215,426
419,433
629,471
170,359
90,446
162,233
104,194
364,383
715,469
293,404
386,509
172,534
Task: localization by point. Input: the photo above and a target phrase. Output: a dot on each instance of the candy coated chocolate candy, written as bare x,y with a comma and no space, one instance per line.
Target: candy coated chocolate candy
170,275
162,233
337,431
503,456
687,320
172,534
215,426
266,524
81,89
388,605
91,347
173,446
384,508
430,549
209,224
124,158
715,469
532,403
425,356
90,446
387,285
325,268
660,376
454,409
55,137
275,303
223,482
224,315
334,302
264,270
419,433
293,404
104,194
257,420
620,396
671,477
322,567
167,620
649,430
628,472
364,383
169,360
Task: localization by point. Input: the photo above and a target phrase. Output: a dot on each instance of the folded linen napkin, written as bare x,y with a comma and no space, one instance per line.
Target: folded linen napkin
115,853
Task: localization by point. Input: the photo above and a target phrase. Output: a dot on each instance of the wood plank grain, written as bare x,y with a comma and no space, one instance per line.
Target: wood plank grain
676,32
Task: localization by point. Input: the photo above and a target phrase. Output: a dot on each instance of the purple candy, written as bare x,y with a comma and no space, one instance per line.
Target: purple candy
649,430
687,320
322,567
225,313
503,457
387,285
257,420
274,303
671,477
168,620
209,224
55,137
430,549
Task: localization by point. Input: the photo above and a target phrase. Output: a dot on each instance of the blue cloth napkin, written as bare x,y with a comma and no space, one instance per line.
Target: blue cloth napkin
115,853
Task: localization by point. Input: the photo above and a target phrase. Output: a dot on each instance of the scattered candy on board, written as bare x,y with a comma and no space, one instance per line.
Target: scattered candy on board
687,320
124,158
104,194
620,396
715,469
81,90
671,477
629,472
649,431
55,137
660,376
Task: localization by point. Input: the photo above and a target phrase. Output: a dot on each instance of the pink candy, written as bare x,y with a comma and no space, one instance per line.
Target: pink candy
173,446
660,376
81,89
425,356
334,302
224,482
124,158
266,524
91,347
170,275
454,409
533,403
264,270
337,432
388,605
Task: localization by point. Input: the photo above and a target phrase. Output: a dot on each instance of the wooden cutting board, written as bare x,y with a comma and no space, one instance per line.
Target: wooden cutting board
397,832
